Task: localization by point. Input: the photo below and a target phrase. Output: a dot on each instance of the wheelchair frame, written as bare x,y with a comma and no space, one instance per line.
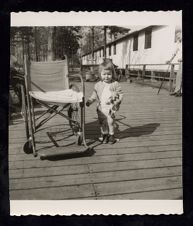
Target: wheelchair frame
31,126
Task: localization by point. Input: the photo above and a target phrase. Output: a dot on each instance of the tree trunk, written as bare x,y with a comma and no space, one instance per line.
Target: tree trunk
105,41
92,45
50,44
36,44
23,51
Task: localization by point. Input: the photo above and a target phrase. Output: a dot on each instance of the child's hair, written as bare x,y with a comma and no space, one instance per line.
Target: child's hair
108,65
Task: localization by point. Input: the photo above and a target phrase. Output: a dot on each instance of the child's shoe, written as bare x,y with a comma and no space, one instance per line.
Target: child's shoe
112,139
103,138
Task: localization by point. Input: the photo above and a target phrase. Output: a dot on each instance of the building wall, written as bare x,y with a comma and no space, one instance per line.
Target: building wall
162,48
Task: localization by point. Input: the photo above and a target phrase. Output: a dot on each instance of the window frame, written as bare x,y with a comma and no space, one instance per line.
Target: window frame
148,39
135,42
110,50
114,49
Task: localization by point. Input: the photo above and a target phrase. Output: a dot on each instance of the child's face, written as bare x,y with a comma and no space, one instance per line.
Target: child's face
106,75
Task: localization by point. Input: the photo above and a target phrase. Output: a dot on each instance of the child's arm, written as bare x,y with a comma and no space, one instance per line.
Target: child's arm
92,98
117,96
119,93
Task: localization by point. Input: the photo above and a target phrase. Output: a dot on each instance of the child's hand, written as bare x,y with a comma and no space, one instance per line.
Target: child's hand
116,105
88,103
109,101
113,99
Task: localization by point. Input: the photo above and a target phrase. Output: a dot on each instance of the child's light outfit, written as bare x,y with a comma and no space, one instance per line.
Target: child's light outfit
105,105
104,93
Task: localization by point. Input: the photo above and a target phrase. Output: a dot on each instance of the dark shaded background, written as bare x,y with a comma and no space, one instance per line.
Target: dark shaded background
111,5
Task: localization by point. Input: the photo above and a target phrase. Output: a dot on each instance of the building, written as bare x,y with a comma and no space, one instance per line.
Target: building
146,45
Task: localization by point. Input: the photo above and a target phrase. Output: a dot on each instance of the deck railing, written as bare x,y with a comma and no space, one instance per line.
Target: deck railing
149,71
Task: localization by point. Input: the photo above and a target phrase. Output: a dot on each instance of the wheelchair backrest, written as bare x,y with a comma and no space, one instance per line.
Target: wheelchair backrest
47,76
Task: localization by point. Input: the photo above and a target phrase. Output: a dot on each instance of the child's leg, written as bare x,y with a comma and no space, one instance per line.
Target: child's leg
110,122
104,128
102,122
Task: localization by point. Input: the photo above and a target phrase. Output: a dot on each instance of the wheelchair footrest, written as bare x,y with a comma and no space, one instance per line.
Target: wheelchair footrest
67,152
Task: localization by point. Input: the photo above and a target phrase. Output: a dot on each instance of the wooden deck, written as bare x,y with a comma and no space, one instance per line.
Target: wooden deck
145,164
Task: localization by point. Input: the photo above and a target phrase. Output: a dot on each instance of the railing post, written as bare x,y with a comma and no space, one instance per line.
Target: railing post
171,78
152,76
138,74
143,72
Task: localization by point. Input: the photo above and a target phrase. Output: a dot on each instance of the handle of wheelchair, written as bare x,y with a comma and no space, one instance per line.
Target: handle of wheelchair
82,83
84,106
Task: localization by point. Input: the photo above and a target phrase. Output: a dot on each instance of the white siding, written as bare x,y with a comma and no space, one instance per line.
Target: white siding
162,48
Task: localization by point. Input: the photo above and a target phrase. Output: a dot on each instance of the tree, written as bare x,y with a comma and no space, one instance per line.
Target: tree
21,39
42,43
50,43
113,32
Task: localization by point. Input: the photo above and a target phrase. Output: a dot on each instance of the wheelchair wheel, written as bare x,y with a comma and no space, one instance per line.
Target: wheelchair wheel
75,118
28,147
74,113
75,121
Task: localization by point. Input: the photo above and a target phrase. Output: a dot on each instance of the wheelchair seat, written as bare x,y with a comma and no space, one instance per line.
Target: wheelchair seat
58,97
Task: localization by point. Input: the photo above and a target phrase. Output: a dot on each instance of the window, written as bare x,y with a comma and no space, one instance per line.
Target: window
148,39
109,50
99,53
114,48
103,52
135,43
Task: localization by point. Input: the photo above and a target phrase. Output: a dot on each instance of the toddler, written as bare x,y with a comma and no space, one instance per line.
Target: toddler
109,95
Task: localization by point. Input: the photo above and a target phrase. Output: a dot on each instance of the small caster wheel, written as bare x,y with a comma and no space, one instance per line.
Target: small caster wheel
42,156
35,154
28,147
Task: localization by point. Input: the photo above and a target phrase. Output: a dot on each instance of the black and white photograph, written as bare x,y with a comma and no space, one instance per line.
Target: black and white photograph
95,110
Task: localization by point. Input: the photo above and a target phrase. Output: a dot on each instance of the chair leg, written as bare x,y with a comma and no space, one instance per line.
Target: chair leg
31,138
82,107
33,114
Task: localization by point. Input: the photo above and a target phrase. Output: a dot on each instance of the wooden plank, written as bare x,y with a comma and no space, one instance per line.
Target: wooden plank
113,151
49,181
103,159
132,126
164,194
138,186
175,145
143,164
48,171
93,127
127,143
93,167
124,138
130,134
114,176
60,193
136,174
